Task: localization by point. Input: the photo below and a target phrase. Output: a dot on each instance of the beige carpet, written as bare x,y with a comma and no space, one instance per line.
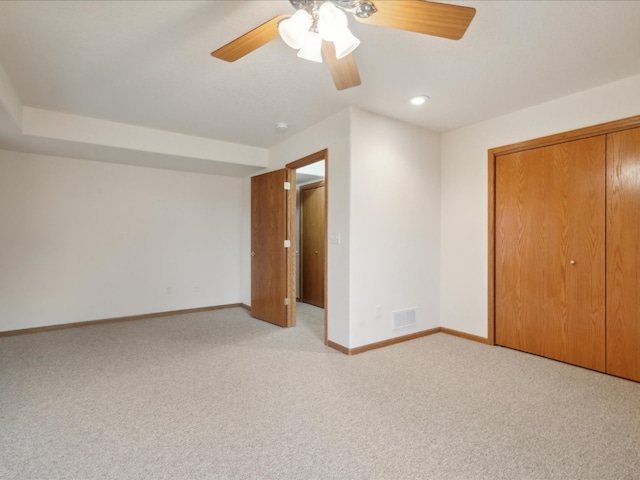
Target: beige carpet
219,395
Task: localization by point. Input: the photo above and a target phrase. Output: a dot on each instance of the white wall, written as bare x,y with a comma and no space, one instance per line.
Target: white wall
384,201
82,240
465,192
65,127
395,226
9,100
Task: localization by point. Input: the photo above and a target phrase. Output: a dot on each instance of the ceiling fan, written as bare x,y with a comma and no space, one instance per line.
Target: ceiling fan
319,29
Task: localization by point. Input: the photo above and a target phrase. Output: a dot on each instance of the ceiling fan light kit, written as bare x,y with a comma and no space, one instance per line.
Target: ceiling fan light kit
319,28
311,47
345,44
333,26
293,30
331,21
314,22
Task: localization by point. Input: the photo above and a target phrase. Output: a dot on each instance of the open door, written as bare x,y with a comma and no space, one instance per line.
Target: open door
272,247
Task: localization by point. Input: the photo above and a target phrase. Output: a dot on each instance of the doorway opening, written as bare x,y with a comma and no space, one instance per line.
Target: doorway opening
310,219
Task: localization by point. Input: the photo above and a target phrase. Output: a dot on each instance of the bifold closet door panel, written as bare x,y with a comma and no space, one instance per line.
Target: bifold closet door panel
550,251
623,254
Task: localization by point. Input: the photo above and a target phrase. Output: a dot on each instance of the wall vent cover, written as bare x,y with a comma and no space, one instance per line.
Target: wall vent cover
404,318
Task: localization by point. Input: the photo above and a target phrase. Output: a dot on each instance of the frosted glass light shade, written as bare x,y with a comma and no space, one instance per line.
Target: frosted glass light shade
294,29
331,21
312,48
345,43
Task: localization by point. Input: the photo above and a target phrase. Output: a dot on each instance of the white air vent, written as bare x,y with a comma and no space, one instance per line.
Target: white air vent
404,318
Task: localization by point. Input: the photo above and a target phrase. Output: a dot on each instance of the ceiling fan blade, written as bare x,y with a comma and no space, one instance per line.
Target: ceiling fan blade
421,16
250,41
344,71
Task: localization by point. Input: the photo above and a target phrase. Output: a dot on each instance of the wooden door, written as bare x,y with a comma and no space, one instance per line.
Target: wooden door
550,251
271,283
312,244
623,254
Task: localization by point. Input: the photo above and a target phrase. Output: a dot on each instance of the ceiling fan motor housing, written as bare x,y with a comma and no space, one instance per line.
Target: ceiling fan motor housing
360,8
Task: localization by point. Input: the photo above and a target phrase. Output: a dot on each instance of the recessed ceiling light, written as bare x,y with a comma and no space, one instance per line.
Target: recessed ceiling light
418,100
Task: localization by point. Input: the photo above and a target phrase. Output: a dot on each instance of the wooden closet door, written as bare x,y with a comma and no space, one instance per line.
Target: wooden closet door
623,254
312,244
550,252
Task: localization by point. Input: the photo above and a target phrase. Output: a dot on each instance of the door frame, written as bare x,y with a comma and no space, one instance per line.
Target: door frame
493,153
292,167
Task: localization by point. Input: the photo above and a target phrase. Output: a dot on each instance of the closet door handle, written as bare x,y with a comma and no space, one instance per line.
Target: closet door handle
572,262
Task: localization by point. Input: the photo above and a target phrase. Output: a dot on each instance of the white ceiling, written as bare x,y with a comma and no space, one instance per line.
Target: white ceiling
310,173
147,63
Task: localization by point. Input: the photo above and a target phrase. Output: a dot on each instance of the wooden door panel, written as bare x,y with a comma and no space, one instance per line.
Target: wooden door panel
623,254
549,262
519,287
312,245
269,268
584,259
